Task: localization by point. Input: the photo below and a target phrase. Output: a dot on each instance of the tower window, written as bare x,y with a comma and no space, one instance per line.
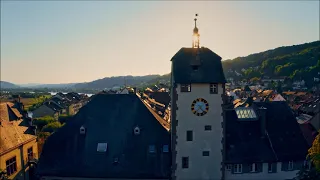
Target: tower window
207,128
185,162
194,68
213,88
185,88
205,153
189,136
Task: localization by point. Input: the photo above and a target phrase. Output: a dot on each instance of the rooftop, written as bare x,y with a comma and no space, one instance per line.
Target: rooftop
109,119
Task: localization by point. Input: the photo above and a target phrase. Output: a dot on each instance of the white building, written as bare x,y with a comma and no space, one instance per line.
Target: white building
196,113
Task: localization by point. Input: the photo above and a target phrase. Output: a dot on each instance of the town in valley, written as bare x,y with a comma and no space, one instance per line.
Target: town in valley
255,117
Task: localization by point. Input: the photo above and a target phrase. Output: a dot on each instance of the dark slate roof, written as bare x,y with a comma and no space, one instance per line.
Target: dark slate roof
284,131
284,140
108,118
244,142
210,70
160,97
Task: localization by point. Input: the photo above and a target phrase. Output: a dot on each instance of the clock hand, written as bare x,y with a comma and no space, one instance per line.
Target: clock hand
199,108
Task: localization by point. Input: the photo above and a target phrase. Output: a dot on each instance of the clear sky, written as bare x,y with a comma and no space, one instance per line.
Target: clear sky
81,41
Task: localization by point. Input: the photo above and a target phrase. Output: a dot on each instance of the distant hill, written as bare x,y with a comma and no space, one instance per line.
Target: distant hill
7,85
296,62
116,81
67,85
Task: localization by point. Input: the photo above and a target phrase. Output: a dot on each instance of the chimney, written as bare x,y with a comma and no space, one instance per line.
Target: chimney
33,129
263,120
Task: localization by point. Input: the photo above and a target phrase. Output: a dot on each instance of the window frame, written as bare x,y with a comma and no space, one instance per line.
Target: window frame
270,167
165,147
185,87
253,167
213,88
30,153
207,128
205,153
185,162
152,149
290,167
11,165
229,167
189,135
237,168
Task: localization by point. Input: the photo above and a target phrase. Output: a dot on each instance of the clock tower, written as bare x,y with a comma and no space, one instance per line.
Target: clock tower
197,91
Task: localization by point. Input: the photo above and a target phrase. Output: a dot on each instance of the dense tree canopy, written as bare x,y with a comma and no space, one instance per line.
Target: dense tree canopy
314,153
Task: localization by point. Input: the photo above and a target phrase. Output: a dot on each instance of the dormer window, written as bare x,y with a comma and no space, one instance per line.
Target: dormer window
244,114
185,88
102,147
165,148
152,149
136,130
82,130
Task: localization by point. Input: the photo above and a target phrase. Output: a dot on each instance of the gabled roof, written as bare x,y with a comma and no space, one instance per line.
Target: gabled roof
284,140
12,131
161,97
111,119
209,71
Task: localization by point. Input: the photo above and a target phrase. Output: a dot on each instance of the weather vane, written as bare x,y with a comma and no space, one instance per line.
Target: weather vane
195,20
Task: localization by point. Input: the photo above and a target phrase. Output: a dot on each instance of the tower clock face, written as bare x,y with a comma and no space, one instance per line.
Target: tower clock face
200,107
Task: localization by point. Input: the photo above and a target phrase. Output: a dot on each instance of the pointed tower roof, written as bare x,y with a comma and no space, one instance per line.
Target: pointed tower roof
197,65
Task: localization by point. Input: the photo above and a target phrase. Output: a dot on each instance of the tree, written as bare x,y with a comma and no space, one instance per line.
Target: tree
255,80
52,127
314,153
308,174
43,121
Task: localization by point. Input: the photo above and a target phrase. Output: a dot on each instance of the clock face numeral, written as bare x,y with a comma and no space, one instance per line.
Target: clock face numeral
200,107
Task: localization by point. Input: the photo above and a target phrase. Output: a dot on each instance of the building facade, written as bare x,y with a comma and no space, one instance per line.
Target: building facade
196,116
17,146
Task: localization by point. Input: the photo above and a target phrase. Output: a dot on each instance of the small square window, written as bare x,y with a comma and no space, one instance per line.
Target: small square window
185,162
205,153
189,136
207,127
213,88
152,149
185,88
165,148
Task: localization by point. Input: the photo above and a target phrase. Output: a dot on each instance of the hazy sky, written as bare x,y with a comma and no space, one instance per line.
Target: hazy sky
78,41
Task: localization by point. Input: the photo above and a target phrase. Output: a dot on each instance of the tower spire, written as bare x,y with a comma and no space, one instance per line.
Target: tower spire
196,35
